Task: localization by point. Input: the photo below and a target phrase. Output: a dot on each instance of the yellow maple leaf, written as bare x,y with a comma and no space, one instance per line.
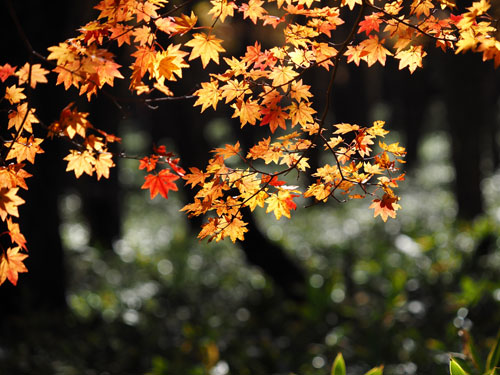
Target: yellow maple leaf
14,94
301,113
344,128
234,89
205,46
377,129
351,3
411,58
253,10
221,9
208,95
419,7
248,111
281,75
80,162
281,204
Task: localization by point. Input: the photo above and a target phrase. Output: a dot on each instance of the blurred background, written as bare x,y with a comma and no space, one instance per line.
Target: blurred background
119,284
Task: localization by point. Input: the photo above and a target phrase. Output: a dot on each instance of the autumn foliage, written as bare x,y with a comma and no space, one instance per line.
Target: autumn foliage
265,87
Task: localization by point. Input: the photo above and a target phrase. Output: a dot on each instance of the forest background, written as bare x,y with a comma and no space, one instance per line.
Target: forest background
119,284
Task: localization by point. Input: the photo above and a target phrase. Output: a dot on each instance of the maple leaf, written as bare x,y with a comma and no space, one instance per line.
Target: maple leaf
143,36
13,175
385,207
14,94
9,202
233,89
102,164
11,264
393,148
25,149
376,50
184,23
377,129
235,229
274,116
356,54
205,46
37,74
281,75
160,183
411,58
351,3
228,151
344,128
419,7
148,163
281,204
6,71
195,177
80,162
208,95
253,10
248,111
15,234
122,34
221,9
301,113
22,118
370,23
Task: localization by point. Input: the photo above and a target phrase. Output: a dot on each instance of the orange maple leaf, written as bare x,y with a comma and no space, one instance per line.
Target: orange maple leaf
15,234
385,207
9,202
13,175
196,177
235,230
160,183
80,162
103,163
20,117
37,74
12,264
206,47
25,149
228,151
376,50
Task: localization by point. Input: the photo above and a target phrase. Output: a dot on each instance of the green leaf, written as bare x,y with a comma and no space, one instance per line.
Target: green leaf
494,355
338,367
455,368
495,371
376,371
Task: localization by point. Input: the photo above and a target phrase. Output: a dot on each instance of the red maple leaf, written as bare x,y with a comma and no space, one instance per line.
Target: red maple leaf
160,183
6,71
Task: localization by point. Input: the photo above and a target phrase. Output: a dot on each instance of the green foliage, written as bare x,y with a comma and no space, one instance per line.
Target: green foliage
338,367
494,355
456,369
